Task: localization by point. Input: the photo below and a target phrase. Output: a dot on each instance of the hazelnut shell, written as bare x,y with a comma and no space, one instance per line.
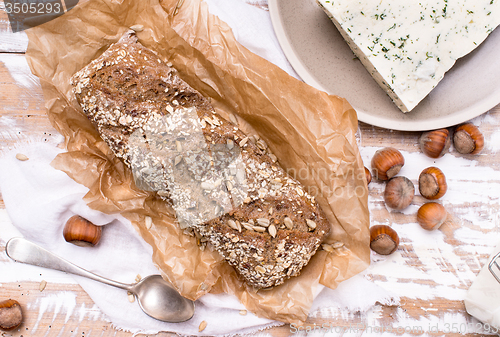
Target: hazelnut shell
368,175
386,163
468,139
432,183
383,239
431,215
435,143
399,193
81,232
11,315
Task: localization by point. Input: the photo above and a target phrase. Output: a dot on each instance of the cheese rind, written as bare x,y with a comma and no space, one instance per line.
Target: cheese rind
408,46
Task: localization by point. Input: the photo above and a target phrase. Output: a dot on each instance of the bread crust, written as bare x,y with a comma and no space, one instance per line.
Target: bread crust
264,223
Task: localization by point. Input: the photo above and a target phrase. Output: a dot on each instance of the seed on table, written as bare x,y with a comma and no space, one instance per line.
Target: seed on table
21,157
43,284
202,326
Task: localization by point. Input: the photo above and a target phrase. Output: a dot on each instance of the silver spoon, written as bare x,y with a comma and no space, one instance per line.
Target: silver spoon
156,297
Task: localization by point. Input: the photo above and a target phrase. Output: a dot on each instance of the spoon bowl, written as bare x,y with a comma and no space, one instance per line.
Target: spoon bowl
154,294
156,297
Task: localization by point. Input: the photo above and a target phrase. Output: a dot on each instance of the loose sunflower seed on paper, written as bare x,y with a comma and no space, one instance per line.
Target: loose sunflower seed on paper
149,222
137,28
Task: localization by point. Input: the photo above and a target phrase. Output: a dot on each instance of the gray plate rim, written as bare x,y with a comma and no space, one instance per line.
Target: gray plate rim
400,122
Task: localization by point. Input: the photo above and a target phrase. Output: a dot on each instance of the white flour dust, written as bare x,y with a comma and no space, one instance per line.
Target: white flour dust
19,70
62,303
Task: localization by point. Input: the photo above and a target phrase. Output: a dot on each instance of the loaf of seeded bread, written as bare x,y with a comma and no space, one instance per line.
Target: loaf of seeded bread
227,188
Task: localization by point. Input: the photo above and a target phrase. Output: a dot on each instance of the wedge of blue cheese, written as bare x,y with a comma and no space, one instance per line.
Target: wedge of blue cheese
408,46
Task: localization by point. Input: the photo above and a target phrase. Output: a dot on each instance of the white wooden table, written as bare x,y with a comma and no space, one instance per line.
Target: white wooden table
430,271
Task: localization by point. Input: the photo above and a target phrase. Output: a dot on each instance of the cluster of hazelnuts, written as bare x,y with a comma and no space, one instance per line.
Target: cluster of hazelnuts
78,231
399,190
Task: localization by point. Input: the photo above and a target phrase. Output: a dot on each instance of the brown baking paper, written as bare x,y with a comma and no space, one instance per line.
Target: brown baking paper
311,133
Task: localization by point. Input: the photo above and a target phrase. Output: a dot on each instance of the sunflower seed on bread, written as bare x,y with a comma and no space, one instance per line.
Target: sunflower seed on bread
148,116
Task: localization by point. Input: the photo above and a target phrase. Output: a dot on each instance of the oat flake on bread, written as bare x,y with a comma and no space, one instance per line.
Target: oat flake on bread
265,225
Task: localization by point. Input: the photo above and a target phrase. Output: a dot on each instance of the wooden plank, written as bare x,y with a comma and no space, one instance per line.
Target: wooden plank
59,310
408,140
410,312
24,106
10,42
62,309
22,112
22,118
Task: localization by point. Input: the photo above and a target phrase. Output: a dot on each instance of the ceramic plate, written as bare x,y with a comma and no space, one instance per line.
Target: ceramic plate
320,56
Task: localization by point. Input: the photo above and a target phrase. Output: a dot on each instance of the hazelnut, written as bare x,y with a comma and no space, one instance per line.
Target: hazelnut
432,183
11,315
431,215
383,239
399,193
386,163
368,176
81,232
435,143
468,139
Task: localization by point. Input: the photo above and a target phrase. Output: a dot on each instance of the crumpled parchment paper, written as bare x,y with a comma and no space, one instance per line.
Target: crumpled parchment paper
311,133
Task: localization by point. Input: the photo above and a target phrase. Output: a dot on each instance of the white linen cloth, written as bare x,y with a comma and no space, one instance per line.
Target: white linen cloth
39,200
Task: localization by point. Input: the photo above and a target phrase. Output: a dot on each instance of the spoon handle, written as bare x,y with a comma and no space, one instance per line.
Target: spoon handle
22,250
